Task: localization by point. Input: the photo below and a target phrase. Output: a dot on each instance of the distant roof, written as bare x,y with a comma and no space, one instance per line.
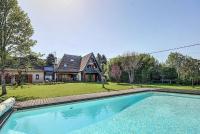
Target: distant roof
69,63
28,70
49,68
73,63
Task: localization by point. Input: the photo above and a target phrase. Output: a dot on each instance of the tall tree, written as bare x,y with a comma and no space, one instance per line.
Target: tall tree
102,61
15,33
176,60
50,61
98,57
147,63
186,67
36,60
130,63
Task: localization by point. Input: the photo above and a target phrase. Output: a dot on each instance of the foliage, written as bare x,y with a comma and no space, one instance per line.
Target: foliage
168,73
15,34
130,62
188,68
116,72
147,64
102,61
50,60
177,69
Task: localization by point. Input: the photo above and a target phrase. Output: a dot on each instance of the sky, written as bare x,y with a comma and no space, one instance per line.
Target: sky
113,27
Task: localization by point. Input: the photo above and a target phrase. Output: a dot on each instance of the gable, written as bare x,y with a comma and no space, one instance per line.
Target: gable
91,62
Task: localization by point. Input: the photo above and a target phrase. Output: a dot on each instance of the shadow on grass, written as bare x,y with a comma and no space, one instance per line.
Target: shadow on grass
25,98
18,98
124,84
109,89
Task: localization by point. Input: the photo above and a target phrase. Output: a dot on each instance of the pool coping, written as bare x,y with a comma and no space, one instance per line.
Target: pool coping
84,97
75,98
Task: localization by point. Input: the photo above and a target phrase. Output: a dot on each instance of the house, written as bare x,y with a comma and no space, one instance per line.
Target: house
77,68
30,75
37,75
70,68
49,74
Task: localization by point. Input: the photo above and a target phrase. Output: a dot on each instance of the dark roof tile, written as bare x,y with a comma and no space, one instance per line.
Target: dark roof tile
69,63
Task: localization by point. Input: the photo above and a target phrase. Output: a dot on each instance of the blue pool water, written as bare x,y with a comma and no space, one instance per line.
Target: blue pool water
142,113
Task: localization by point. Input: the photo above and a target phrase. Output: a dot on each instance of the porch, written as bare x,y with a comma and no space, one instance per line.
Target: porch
64,77
91,77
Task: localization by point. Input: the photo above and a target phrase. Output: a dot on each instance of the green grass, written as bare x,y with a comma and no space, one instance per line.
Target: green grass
46,91
171,86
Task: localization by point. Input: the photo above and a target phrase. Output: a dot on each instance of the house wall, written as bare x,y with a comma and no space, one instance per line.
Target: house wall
34,77
79,76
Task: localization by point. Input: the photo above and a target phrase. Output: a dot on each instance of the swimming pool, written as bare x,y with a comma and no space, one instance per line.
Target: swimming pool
141,113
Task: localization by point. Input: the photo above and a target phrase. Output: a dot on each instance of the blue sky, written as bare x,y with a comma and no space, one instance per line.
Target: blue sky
113,27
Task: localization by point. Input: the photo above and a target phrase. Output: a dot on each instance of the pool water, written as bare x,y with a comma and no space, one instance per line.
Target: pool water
141,113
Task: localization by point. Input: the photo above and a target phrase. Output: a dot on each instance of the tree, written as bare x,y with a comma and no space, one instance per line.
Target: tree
102,61
15,34
168,73
25,61
175,60
116,72
191,69
130,63
36,60
147,63
99,59
50,60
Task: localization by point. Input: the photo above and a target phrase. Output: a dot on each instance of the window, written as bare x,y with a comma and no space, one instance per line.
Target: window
72,60
65,65
37,77
89,66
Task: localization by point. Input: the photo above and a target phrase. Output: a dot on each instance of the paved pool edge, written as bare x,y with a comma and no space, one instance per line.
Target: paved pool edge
75,98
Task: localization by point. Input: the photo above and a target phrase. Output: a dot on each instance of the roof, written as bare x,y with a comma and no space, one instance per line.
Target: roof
69,63
73,63
29,70
84,61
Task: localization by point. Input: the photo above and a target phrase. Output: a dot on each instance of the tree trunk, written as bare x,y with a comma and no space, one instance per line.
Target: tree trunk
131,76
103,81
102,77
192,82
3,83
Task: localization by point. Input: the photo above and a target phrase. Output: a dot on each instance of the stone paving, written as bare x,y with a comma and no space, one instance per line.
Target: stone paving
75,98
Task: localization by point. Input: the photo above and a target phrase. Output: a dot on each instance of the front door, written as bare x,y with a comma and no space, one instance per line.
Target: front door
89,77
30,78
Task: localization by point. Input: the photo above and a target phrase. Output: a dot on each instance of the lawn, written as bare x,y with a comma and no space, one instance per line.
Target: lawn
45,91
171,86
